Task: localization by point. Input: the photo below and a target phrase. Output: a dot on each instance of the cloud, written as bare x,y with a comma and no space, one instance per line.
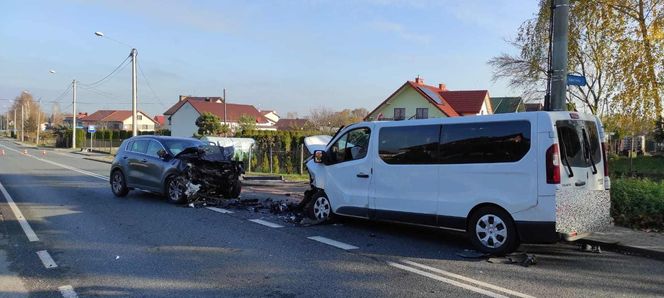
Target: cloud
400,31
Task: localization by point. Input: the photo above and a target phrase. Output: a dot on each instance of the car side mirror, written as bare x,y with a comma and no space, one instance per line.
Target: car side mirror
320,156
163,154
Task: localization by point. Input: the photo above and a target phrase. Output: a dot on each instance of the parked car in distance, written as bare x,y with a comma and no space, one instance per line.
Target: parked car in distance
502,179
170,166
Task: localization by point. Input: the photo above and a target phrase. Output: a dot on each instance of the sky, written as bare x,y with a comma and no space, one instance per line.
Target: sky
289,56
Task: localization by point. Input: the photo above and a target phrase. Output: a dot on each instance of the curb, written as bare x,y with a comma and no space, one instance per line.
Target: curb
622,248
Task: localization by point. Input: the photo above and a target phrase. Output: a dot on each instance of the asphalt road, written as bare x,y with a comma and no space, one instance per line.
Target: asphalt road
143,246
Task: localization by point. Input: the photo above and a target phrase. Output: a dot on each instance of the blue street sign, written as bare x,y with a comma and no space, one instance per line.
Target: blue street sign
576,80
91,129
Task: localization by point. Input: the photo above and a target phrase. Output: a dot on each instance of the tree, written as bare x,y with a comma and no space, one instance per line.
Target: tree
209,124
328,121
57,117
247,123
31,112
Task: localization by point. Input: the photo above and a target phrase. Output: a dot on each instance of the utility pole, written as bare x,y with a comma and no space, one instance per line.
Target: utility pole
38,121
15,135
22,125
134,126
558,66
73,118
224,106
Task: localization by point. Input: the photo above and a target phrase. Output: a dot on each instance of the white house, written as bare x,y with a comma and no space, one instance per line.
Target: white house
271,116
118,120
181,117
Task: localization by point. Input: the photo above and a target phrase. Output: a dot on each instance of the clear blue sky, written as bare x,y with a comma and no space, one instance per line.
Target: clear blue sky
291,56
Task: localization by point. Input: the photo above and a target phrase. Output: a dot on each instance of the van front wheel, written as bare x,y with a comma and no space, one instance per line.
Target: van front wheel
492,231
319,207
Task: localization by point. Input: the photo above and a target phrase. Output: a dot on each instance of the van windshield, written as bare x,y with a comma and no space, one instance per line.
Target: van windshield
575,153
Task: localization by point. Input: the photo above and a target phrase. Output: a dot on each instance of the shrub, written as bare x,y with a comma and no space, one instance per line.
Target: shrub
638,203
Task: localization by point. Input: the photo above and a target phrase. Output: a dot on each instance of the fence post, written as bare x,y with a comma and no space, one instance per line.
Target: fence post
301,158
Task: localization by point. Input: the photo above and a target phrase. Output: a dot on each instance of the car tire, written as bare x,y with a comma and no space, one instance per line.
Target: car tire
119,184
492,231
235,190
319,207
175,190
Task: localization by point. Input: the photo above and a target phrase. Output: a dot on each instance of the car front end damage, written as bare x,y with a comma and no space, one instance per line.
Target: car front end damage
208,173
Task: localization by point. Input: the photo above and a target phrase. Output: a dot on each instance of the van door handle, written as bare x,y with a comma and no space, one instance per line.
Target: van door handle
580,183
362,175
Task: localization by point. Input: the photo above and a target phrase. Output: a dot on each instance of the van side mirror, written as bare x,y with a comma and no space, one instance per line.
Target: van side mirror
320,156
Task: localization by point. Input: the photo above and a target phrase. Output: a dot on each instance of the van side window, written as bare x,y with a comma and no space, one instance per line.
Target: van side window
486,142
352,145
409,144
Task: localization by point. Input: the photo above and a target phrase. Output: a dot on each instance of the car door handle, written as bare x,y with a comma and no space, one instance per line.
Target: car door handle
144,160
362,175
580,183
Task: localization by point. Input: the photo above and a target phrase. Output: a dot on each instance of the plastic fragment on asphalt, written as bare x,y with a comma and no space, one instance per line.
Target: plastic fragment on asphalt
522,259
471,254
117,257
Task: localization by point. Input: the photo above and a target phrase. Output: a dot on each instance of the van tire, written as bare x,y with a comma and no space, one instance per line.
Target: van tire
492,231
319,207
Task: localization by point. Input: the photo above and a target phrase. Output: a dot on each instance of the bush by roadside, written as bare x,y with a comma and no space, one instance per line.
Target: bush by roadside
638,203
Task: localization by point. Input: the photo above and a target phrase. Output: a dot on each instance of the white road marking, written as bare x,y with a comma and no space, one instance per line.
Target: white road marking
19,216
446,280
46,259
220,210
334,243
68,291
468,279
91,174
266,223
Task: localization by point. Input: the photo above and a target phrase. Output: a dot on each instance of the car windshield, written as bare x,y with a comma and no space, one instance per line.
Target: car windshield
176,146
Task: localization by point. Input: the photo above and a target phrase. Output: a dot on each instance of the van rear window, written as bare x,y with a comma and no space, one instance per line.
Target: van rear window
573,148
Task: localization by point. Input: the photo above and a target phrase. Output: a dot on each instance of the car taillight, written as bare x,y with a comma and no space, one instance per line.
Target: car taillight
606,160
552,165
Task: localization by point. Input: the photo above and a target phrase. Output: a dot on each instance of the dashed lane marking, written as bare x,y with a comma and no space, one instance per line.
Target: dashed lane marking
266,223
220,210
27,229
46,259
68,291
334,243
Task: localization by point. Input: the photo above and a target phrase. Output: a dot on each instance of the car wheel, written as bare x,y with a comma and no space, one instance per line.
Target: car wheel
119,184
175,190
491,230
236,189
319,207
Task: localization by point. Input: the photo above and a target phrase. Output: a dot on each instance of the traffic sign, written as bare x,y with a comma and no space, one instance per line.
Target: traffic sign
91,129
576,80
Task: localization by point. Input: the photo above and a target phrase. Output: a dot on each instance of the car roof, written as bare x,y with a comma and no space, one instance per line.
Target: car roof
163,138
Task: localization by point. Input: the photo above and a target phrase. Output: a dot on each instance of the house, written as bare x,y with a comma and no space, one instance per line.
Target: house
160,120
119,120
416,100
68,119
271,116
502,105
531,107
181,117
293,124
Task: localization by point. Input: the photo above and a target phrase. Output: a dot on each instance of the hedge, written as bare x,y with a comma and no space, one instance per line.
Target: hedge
638,203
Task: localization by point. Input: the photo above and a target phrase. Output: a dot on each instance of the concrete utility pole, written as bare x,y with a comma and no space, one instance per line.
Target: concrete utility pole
38,122
558,68
22,125
73,118
224,105
15,135
134,126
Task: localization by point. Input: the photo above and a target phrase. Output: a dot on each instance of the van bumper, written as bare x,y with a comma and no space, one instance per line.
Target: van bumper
537,231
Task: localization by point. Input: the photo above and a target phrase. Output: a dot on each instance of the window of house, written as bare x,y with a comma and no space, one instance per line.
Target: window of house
399,113
144,126
139,117
409,144
352,145
422,113
486,142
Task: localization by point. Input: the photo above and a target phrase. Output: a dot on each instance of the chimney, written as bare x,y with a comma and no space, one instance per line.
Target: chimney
442,87
419,80
182,97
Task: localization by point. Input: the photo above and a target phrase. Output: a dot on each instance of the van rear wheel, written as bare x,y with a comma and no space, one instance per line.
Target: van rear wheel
491,230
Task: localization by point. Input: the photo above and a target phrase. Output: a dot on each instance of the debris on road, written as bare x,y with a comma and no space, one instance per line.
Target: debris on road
472,254
522,259
590,248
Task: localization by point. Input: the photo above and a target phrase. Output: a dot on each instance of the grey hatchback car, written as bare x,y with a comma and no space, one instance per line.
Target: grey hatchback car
149,163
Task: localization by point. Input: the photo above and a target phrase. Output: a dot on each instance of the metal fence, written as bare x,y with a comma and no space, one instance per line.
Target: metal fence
270,160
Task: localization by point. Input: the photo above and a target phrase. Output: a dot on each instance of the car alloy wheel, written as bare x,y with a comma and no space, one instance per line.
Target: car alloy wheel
491,231
175,191
118,184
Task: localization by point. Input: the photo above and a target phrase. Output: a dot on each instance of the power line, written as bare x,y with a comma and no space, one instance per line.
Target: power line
63,93
99,82
150,86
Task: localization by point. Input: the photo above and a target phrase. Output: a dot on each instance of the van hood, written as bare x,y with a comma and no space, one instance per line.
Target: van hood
318,142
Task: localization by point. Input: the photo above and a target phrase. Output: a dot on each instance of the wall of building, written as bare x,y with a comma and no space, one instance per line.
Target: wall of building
183,122
409,99
144,124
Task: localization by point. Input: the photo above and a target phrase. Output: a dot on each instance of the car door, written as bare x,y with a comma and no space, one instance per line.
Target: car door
349,172
136,160
153,167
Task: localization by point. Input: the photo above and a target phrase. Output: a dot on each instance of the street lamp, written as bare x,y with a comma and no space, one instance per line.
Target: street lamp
134,85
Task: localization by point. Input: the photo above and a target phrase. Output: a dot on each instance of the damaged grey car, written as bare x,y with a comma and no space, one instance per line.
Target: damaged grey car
182,169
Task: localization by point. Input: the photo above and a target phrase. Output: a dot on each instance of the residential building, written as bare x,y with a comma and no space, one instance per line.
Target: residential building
119,120
293,124
271,116
181,117
160,121
68,119
416,100
502,105
532,107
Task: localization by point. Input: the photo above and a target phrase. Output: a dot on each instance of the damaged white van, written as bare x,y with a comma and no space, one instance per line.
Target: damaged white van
502,179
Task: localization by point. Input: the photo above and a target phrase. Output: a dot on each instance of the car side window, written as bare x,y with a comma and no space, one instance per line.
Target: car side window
353,145
153,148
140,146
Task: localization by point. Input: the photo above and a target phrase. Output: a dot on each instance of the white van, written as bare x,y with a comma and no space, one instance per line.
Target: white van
502,179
